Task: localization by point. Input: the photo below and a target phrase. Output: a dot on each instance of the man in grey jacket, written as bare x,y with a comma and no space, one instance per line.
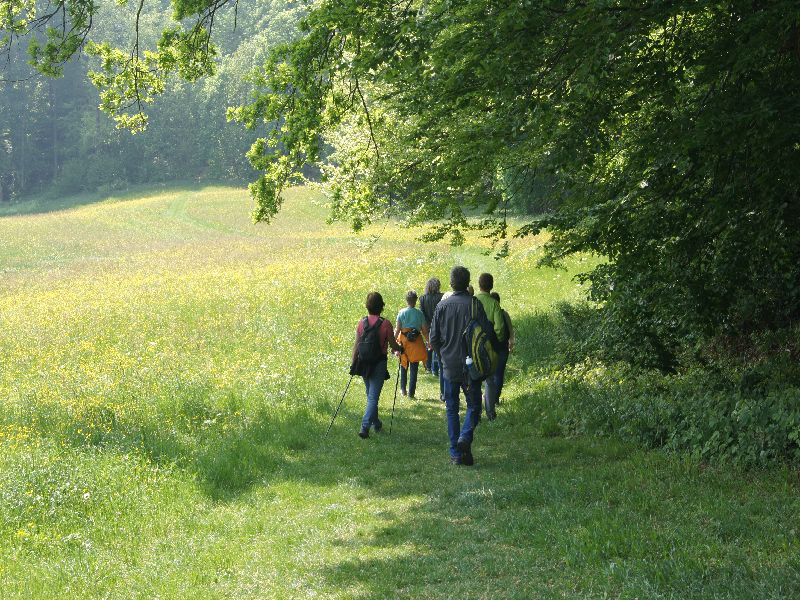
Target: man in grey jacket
449,321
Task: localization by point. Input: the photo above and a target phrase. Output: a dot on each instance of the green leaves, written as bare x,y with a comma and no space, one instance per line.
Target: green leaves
662,136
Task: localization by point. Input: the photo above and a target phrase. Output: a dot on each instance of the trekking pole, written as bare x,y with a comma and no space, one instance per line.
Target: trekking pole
340,405
396,383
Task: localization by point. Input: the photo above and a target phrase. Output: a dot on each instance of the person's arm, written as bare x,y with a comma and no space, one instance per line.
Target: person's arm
397,329
392,342
435,340
498,320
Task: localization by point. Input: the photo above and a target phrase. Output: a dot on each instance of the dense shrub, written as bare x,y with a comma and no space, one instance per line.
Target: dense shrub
695,412
737,402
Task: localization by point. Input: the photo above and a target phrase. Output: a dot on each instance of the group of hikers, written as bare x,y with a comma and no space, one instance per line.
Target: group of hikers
462,337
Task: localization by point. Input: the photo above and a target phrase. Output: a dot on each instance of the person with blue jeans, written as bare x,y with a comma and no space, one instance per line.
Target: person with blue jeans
411,331
449,321
374,372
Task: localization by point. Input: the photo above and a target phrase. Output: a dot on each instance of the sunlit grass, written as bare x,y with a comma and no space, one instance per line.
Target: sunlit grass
169,368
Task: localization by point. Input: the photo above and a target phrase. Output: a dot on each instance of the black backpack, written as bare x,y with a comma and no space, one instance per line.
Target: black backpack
369,346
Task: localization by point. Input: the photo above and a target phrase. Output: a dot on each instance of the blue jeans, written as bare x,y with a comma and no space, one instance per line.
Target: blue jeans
412,381
374,384
451,399
432,364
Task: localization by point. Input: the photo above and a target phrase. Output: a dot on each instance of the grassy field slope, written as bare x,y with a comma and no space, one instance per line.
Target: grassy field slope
168,370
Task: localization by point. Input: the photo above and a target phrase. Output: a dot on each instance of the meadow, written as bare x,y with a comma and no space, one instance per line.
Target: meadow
168,370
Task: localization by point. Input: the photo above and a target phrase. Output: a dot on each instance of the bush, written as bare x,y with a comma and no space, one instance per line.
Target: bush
695,412
736,401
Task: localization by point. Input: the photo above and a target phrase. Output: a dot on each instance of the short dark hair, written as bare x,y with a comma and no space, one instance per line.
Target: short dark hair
459,279
486,282
411,297
496,296
374,304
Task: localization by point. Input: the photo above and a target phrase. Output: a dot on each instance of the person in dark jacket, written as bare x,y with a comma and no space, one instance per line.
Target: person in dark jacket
449,321
427,304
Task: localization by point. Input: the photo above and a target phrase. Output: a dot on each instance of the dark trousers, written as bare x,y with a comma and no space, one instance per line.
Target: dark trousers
412,380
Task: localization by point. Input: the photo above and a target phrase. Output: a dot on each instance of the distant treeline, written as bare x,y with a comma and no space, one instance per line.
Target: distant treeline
54,139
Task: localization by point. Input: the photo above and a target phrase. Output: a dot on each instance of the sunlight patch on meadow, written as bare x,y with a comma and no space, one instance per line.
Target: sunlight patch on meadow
158,352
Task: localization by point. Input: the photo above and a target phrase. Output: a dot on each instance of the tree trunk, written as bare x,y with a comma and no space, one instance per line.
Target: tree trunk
54,125
21,163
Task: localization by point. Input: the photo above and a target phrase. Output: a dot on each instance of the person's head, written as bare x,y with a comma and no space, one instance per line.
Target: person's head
496,296
411,298
374,304
433,286
459,279
470,290
486,282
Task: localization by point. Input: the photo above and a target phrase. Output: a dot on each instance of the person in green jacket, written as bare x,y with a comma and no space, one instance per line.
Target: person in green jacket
495,314
507,348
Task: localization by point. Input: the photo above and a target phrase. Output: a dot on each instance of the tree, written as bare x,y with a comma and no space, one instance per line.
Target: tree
670,129
189,137
665,133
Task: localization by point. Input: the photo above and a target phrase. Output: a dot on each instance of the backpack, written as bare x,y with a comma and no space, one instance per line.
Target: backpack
412,334
369,346
481,356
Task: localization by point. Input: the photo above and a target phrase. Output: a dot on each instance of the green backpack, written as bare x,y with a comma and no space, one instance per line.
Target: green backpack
481,356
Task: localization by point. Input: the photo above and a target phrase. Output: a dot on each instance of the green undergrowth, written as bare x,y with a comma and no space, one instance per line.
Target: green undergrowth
735,407
168,373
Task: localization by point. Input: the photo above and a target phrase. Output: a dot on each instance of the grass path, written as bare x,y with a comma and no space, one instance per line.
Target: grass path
169,370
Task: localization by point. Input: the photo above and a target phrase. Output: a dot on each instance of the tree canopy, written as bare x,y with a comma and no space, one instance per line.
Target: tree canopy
666,134
54,140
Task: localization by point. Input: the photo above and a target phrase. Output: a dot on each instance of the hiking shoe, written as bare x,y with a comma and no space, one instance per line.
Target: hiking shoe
378,425
456,460
412,397
403,393
363,434
465,448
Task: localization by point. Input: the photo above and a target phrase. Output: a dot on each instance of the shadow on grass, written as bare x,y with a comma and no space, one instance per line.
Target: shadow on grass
536,339
229,451
50,202
536,517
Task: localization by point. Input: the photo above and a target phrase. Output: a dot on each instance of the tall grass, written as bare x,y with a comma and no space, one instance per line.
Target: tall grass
169,368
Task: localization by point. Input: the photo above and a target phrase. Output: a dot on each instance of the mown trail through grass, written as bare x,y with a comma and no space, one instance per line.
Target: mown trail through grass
168,370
